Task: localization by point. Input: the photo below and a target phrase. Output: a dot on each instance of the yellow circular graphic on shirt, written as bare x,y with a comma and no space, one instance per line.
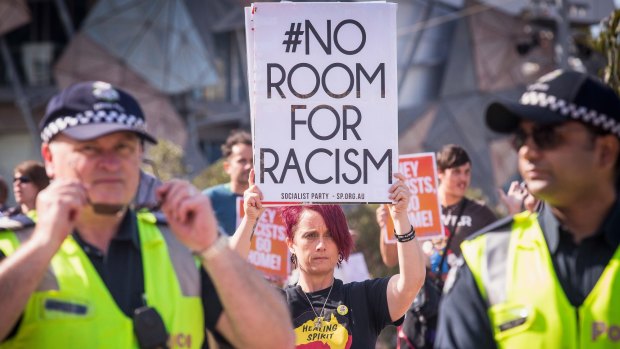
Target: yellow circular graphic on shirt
342,309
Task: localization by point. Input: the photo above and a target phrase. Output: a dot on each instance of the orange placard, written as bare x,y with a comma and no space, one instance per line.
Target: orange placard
268,250
424,209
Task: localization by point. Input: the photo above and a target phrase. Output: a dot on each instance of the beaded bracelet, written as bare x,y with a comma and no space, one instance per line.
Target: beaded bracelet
410,235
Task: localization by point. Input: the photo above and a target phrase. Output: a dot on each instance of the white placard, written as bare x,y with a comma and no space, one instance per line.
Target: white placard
324,100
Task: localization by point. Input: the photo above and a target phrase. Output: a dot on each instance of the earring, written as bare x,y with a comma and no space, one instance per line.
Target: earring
294,260
340,259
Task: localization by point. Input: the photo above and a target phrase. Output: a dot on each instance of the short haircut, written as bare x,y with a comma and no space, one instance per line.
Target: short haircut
235,137
4,191
451,156
595,131
335,221
35,171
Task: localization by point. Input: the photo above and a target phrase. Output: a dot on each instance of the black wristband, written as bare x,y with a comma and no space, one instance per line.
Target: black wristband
410,235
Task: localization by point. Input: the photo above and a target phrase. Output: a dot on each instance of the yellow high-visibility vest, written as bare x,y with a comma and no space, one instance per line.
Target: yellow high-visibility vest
526,303
72,308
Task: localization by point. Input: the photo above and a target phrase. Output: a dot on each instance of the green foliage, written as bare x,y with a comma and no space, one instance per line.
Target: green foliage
363,219
211,176
608,43
165,161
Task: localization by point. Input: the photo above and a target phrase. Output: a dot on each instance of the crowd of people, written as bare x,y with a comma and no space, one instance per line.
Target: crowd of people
105,255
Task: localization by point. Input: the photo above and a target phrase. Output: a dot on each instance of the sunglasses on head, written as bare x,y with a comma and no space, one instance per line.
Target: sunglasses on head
22,179
544,136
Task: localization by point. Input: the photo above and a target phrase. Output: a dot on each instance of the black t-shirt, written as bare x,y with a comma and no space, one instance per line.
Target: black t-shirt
122,272
475,217
354,315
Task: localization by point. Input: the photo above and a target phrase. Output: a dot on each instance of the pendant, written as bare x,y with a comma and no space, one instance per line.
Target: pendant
318,322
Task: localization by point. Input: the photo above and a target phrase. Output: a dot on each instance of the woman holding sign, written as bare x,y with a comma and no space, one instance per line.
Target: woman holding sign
323,309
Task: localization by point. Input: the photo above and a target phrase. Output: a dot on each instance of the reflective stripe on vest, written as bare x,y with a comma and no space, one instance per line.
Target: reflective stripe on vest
494,269
9,242
81,313
527,305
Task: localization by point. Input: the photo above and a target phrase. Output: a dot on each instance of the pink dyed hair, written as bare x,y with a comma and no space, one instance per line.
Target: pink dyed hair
335,221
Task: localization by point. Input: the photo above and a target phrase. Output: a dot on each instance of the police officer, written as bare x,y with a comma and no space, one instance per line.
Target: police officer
93,273
548,279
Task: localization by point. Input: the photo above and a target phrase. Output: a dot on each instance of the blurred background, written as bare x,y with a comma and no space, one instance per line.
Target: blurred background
185,61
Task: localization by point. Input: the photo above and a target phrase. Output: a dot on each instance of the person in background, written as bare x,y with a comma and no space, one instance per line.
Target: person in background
547,279
4,196
327,312
29,178
94,273
237,152
460,215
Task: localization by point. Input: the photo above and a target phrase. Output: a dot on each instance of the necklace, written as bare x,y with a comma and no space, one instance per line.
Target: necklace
318,320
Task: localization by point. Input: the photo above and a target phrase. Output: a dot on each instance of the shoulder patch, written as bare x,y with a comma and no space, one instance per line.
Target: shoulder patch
15,223
502,225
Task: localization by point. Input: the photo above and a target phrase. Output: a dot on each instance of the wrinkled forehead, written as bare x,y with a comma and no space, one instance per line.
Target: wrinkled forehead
111,138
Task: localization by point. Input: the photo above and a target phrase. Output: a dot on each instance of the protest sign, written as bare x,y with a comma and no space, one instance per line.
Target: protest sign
324,106
268,250
420,171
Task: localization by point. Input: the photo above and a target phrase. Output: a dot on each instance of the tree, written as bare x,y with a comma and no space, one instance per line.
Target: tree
211,176
608,43
165,161
363,219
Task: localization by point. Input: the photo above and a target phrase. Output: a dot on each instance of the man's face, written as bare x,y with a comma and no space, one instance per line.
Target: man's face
239,164
561,162
456,180
107,166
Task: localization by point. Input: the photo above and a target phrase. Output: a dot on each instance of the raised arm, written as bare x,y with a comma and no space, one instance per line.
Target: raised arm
251,307
513,198
253,208
404,286
389,254
20,273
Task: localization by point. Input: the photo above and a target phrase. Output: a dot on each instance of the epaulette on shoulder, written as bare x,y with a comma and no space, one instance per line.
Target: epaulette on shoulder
160,218
15,223
151,216
499,226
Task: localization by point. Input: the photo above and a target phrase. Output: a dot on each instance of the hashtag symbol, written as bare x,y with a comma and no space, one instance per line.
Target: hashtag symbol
292,37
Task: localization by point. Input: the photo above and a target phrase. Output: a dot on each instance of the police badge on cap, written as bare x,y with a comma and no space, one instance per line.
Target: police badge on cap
92,109
105,91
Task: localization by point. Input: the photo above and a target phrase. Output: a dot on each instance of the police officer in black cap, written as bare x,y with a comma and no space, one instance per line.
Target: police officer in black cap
92,272
548,279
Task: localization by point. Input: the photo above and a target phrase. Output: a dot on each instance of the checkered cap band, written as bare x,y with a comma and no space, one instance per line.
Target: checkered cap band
558,105
91,117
